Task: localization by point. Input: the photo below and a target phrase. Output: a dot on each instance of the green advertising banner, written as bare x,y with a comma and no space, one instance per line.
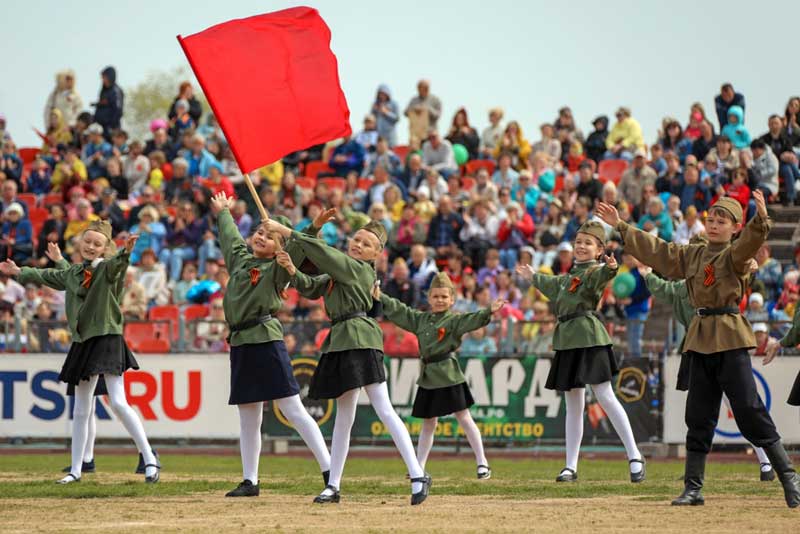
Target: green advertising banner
511,402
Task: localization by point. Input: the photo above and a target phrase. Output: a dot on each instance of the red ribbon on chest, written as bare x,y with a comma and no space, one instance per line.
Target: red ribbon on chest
87,278
255,276
440,333
573,284
710,279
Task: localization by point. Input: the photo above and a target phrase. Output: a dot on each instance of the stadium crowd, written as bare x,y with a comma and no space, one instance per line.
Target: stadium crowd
473,202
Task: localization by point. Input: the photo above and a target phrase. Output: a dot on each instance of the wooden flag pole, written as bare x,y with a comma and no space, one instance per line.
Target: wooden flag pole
261,209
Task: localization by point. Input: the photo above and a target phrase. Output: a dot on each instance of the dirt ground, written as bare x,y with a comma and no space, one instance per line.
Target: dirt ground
450,514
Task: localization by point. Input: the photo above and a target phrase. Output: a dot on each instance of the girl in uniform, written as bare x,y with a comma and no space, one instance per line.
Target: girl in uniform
94,291
352,352
442,388
261,370
583,347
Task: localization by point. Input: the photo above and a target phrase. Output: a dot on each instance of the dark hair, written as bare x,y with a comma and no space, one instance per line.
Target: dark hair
726,85
724,138
758,144
774,116
85,117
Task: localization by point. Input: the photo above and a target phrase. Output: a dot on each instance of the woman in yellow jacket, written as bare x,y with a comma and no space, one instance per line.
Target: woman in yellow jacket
625,137
514,143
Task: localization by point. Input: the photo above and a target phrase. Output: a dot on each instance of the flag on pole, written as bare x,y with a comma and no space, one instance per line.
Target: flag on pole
272,82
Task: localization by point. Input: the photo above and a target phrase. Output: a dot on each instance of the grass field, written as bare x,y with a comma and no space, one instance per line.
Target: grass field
521,497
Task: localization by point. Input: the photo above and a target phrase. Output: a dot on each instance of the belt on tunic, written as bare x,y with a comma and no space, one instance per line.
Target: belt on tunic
347,317
575,315
707,312
438,357
246,325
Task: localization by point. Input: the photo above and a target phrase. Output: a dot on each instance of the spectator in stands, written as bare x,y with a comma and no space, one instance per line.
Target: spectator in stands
405,233
182,286
437,153
505,175
674,141
134,301
434,187
526,193
477,343
735,129
563,260
180,187
421,268
490,269
514,232
791,117
16,238
210,335
52,232
184,233
199,158
65,98
727,156
110,103
243,220
348,156
463,134
588,185
697,116
779,142
672,180
479,232
739,190
96,152
763,168
136,167
625,136
377,189
368,137
637,307
58,132
385,111
393,200
689,227
595,145
10,163
385,157
151,232
485,190
566,121
693,192
414,174
153,278
492,134
81,220
162,142
401,343
423,112
444,229
724,101
513,143
581,213
108,208
769,273
707,140
755,312
216,182
548,143
400,286
193,106
635,177
549,234
657,221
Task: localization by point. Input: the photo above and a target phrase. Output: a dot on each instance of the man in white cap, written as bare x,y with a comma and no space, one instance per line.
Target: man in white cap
16,241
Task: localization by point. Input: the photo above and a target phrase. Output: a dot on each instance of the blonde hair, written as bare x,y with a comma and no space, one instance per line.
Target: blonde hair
111,247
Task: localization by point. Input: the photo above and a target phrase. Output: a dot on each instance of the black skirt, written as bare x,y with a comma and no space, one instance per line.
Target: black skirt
261,372
577,368
442,401
794,395
339,372
684,372
99,389
99,355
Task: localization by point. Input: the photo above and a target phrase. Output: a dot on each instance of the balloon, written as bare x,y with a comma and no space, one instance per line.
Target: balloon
665,198
461,153
547,181
201,292
623,285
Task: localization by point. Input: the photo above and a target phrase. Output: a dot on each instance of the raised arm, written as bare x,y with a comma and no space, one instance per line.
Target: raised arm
467,322
598,278
117,265
753,235
234,248
400,314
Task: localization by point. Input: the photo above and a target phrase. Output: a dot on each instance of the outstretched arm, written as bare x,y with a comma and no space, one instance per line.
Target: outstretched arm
753,235
234,248
311,287
400,314
549,285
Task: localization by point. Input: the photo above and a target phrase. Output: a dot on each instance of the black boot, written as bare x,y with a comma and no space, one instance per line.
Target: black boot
244,489
786,473
326,476
693,480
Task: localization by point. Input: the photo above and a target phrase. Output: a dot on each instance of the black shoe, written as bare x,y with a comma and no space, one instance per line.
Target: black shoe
140,466
786,473
326,476
767,476
69,479
156,477
638,477
324,498
693,481
86,467
244,489
420,496
485,473
570,476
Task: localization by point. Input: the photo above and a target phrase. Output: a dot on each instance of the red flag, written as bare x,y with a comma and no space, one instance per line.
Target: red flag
272,82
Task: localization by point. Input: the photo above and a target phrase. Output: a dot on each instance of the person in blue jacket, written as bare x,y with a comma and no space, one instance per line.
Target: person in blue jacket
726,98
349,156
735,128
16,241
637,307
109,105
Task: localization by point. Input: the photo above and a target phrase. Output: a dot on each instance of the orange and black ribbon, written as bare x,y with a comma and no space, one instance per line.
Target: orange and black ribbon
87,278
255,276
574,283
710,279
440,333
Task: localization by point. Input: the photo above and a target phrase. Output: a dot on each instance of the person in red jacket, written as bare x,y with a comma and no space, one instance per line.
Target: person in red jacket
737,190
218,183
515,232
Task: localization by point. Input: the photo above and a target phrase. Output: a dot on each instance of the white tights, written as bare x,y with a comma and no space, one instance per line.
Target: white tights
604,393
345,416
464,418
250,416
84,411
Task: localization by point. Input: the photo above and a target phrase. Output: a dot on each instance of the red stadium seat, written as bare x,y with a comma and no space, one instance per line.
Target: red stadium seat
313,168
52,198
401,151
467,183
28,154
137,333
195,311
476,164
333,183
154,346
38,215
170,313
29,199
611,170
365,183
305,183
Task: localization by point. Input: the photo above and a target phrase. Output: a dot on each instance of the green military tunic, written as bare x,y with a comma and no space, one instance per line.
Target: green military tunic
676,295
91,311
792,337
346,287
253,289
439,334
579,290
716,276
